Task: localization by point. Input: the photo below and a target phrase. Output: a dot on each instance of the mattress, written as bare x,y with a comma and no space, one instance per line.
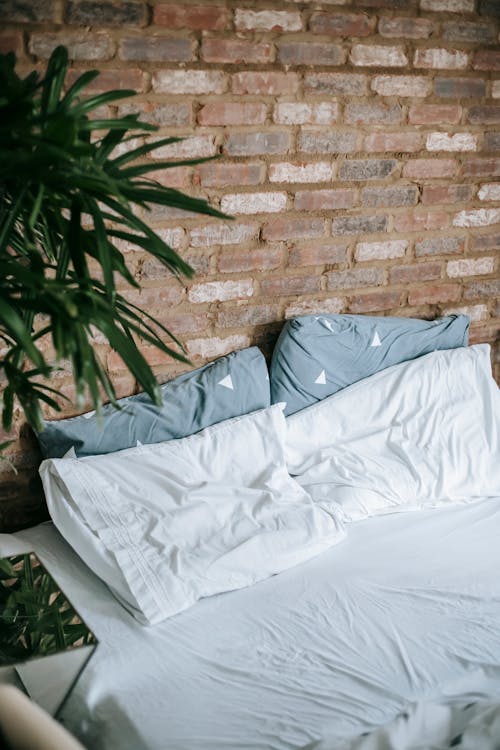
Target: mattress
407,608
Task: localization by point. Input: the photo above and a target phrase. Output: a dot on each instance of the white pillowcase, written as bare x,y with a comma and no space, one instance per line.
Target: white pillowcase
164,525
416,435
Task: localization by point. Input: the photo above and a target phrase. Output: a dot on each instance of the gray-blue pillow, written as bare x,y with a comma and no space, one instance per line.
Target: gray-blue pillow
229,387
317,355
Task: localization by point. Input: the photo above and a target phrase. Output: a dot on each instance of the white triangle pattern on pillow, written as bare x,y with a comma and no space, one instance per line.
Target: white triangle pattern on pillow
227,382
321,379
376,340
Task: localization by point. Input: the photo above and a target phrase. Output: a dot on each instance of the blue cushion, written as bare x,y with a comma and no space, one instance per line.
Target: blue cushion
229,387
317,355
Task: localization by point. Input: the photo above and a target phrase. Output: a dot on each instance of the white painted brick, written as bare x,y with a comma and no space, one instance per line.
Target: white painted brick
401,85
267,20
475,312
318,171
300,113
174,237
490,191
440,58
495,89
380,250
378,55
451,6
456,142
195,147
219,291
331,306
189,82
469,267
481,217
253,203
223,234
216,347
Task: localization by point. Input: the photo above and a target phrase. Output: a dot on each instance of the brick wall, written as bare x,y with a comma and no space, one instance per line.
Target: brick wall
361,157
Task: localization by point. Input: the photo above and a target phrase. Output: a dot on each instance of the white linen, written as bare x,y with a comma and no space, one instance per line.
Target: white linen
406,609
167,524
419,434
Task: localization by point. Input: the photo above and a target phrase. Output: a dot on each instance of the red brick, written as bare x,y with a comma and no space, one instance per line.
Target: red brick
356,277
435,114
289,286
310,53
415,221
489,288
157,297
183,322
232,113
481,242
176,177
406,28
170,115
236,51
481,167
486,59
195,17
251,144
350,84
440,246
434,294
11,41
267,20
264,83
99,13
317,255
324,200
465,31
221,174
484,115
458,88
315,306
129,78
360,113
210,348
262,258
34,11
162,49
407,274
248,315
194,147
491,141
342,24
429,168
406,142
396,195
435,194
364,303
408,86
440,58
189,82
290,228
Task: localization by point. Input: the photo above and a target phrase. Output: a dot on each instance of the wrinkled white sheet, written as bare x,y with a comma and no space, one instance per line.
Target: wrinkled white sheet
406,609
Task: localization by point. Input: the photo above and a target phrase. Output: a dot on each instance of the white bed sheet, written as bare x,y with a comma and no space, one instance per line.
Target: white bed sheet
407,608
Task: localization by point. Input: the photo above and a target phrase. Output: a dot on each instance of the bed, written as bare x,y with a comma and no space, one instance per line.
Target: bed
387,603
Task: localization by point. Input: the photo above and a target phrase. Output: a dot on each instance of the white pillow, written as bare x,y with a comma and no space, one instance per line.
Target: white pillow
416,435
164,525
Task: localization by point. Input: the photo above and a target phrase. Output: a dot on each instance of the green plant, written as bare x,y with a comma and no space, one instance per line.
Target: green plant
58,171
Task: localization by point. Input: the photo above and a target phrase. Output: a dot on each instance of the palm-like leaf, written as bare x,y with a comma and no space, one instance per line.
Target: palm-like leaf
56,165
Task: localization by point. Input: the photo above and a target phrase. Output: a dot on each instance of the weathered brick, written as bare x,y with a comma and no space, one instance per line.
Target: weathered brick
435,194
302,113
484,115
34,11
495,89
232,113
189,82
480,217
451,142
392,4
486,59
489,288
491,142
267,20
408,142
164,49
326,142
172,114
416,221
398,195
328,306
253,203
435,114
449,6
440,58
218,291
176,177
476,313
425,168
156,297
466,31
196,146
457,88
195,17
291,228
364,303
11,41
361,113
223,234
174,237
265,83
434,294
470,267
317,255
80,46
318,171
413,272
310,53
183,322
412,86
251,144
289,286
489,192
221,174
489,8
324,200
440,246
236,51
342,24
376,55
481,167
406,28
349,84
481,242
367,169
356,277
111,78
100,13
380,250
346,225
263,258
249,315
215,346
